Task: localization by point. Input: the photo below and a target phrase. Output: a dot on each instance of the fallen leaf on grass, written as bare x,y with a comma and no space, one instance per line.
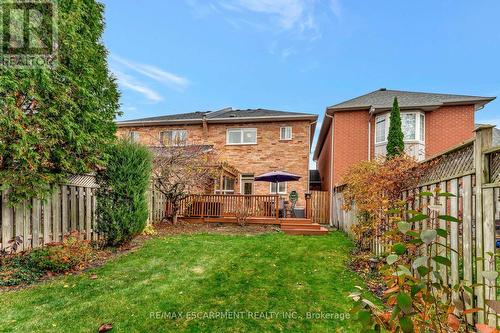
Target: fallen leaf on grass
453,322
483,328
105,327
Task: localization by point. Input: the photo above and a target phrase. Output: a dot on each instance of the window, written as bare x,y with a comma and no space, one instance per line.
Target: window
227,186
286,133
422,127
241,136
412,125
380,129
133,136
409,125
281,188
173,137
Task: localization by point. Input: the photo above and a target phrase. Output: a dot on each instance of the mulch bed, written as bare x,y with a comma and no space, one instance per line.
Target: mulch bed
361,264
183,227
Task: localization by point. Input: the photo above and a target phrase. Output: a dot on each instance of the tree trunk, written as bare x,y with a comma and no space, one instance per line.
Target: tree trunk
174,218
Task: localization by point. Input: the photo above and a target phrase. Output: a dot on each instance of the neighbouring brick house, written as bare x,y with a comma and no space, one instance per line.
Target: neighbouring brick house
357,129
252,141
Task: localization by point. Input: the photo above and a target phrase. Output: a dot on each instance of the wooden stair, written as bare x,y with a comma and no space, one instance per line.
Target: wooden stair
302,227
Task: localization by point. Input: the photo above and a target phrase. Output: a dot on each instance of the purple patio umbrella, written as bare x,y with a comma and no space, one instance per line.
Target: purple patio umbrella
277,177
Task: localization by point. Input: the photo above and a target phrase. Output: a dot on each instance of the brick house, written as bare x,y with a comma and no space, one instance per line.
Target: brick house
252,141
357,129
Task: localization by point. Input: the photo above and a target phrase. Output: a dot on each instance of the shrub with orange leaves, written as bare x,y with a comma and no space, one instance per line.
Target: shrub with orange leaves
375,187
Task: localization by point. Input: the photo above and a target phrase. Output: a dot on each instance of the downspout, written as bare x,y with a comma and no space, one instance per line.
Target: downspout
309,159
332,199
370,113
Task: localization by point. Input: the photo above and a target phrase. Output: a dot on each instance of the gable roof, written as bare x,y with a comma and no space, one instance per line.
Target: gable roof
382,99
221,116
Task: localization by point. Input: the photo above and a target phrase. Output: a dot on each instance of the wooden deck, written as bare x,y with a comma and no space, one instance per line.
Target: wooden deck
252,209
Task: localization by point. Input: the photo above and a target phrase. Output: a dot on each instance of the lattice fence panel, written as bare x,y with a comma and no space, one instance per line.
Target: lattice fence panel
495,167
457,163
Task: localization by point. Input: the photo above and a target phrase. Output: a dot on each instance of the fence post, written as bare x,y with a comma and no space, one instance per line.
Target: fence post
482,141
334,219
308,206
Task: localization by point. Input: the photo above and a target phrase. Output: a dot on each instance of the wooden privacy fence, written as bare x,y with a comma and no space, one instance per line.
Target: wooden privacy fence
472,173
320,202
156,205
70,208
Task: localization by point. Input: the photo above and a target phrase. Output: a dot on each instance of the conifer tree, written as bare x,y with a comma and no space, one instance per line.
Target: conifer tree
395,138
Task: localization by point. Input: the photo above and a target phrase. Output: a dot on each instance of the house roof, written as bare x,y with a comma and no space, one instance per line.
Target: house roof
382,99
227,115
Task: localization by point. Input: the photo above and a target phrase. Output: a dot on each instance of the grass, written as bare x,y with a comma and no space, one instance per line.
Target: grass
270,276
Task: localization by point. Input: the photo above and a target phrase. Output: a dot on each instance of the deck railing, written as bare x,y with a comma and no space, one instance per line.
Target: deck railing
229,205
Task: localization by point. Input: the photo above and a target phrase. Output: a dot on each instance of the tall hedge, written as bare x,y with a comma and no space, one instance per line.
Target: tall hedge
395,138
57,121
122,208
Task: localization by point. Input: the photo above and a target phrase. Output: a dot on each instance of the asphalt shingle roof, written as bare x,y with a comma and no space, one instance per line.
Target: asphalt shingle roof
180,116
384,98
221,114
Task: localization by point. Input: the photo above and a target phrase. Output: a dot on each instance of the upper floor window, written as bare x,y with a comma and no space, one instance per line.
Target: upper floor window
380,129
281,188
241,136
133,136
286,133
412,125
422,127
173,137
409,125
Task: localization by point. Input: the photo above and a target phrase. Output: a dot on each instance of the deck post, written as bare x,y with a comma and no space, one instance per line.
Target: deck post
308,206
203,210
277,207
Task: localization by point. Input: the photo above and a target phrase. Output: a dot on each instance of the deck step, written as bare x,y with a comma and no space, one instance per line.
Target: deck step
311,232
312,226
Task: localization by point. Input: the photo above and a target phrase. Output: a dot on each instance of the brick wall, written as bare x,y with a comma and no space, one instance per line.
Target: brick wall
269,154
447,127
444,128
350,141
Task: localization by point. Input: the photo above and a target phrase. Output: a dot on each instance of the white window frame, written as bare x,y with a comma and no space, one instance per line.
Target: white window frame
134,136
176,132
223,190
386,128
418,123
421,130
285,128
242,132
278,188
245,178
417,138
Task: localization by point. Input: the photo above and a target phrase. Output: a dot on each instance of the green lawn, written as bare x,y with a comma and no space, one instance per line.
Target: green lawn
261,278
